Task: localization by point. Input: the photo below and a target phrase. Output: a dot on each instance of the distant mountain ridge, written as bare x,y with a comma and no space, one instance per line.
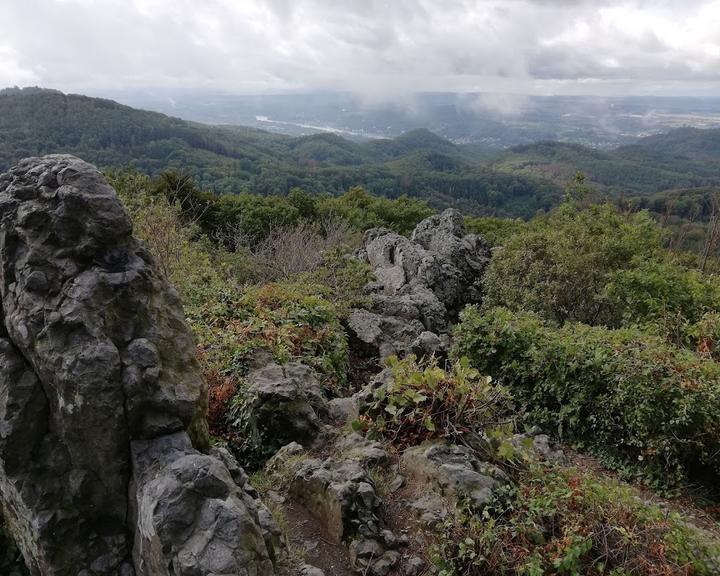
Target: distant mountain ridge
229,159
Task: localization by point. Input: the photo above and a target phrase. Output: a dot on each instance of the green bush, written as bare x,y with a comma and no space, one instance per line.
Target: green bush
564,521
663,293
293,321
629,395
364,210
496,231
559,265
423,401
706,335
344,276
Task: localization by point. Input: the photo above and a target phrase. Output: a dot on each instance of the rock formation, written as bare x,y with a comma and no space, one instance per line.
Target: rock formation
101,399
283,402
422,283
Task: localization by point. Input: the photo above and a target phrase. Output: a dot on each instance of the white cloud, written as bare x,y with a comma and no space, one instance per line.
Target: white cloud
11,72
377,48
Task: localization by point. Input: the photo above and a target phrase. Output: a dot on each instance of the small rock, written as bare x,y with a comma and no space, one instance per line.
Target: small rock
286,403
397,483
280,461
356,447
413,566
455,471
342,409
276,497
386,563
308,570
310,545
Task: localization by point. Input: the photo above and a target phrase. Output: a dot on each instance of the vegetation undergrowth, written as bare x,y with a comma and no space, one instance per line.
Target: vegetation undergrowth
423,401
564,521
624,393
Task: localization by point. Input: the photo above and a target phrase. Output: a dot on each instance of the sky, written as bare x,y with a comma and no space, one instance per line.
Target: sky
379,49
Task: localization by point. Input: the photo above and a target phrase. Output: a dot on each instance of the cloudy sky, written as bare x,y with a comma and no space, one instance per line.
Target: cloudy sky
367,46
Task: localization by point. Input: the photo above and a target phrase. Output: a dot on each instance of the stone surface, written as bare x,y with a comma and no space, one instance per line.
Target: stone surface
308,570
191,516
342,410
453,472
413,566
421,284
285,402
341,494
102,405
355,446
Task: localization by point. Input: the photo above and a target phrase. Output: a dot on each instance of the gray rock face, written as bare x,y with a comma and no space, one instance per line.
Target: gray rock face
101,397
454,471
190,510
421,283
285,404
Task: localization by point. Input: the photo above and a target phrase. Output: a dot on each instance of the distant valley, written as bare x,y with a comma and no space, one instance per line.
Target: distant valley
491,120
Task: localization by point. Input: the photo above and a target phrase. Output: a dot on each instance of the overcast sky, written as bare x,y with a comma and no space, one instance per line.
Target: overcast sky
376,48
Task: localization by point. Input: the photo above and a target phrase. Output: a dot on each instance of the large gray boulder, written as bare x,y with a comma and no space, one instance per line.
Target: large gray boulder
102,403
422,283
284,403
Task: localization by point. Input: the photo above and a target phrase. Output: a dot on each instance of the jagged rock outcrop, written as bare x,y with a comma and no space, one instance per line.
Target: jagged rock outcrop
101,399
285,402
421,284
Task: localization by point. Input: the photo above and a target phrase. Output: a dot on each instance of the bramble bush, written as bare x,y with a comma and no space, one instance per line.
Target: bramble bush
662,296
624,393
563,521
293,321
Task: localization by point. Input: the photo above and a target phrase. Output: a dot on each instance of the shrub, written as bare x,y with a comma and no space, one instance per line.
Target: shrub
293,321
422,402
565,521
706,335
287,252
496,231
663,293
627,394
558,265
344,276
364,210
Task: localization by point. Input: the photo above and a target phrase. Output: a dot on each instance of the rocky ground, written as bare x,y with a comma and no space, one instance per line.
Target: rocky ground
350,505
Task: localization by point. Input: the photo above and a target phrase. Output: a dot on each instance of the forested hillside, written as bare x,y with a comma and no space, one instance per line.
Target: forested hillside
236,160
682,158
673,171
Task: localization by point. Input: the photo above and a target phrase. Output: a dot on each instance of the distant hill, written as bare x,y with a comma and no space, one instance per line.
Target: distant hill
682,158
229,159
